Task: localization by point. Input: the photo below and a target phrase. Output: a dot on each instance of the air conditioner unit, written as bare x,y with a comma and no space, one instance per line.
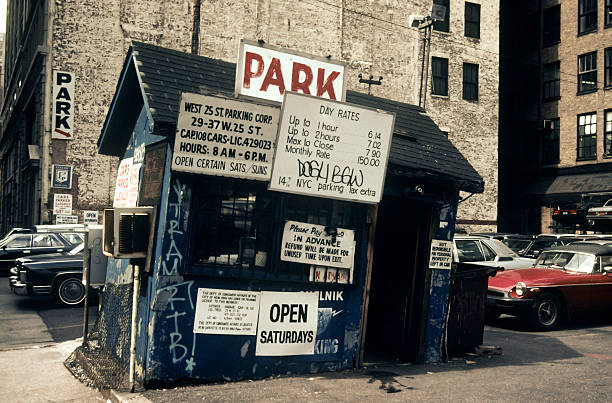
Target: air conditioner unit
547,124
126,232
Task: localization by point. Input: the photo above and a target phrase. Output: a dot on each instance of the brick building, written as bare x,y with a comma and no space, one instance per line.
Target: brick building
555,113
90,40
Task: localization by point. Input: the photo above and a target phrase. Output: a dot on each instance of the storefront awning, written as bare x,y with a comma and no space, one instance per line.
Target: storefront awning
571,187
156,77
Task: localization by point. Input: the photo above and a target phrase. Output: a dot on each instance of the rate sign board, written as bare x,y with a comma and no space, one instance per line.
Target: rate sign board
223,137
331,149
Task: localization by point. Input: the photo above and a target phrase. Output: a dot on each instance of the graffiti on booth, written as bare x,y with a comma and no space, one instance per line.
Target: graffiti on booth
172,259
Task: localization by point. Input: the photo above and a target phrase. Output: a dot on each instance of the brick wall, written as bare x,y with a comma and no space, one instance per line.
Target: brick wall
91,38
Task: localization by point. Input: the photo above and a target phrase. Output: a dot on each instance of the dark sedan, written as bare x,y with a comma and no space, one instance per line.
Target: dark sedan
18,245
59,274
565,281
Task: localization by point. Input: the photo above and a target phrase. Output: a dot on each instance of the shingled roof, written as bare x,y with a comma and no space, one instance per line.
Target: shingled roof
160,75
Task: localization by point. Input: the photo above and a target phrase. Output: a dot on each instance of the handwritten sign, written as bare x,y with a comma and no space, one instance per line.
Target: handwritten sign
122,183
62,204
226,312
310,244
224,137
331,149
287,323
440,254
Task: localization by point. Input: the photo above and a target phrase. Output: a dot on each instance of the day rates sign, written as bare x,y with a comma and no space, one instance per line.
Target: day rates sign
224,137
331,149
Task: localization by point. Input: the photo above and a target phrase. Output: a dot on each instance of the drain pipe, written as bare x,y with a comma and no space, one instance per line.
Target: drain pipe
136,292
195,36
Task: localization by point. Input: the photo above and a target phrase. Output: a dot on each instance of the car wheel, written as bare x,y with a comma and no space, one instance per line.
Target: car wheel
547,312
70,291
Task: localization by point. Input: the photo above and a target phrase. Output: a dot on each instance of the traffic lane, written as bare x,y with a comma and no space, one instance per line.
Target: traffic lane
40,319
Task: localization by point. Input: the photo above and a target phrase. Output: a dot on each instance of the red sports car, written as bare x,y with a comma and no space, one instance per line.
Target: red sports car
564,282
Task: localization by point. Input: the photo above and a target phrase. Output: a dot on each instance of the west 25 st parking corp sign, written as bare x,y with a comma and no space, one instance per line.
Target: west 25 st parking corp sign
266,72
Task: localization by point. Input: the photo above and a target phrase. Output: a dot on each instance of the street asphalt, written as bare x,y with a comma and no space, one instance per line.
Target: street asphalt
569,365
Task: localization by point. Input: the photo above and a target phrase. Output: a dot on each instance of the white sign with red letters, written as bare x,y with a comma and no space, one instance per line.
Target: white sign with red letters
266,72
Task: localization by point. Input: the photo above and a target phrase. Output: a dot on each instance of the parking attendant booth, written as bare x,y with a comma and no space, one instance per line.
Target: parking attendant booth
270,254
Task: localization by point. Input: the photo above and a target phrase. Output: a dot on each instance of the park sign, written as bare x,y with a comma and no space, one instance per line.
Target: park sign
267,72
224,137
331,149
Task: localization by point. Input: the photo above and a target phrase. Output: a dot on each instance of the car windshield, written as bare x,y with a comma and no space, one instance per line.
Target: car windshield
516,244
77,249
580,262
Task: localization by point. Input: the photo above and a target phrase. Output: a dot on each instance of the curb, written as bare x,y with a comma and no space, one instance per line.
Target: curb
114,396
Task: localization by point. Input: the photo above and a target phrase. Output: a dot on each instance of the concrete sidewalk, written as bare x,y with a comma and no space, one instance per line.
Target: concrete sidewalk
36,373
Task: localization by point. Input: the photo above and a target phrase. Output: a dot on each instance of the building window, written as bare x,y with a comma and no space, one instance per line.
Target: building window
608,133
608,14
552,26
587,16
587,72
551,81
472,20
608,67
443,26
470,81
550,146
587,136
439,73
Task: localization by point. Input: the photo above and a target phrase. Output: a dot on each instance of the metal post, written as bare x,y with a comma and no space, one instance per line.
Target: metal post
136,269
86,271
428,40
422,67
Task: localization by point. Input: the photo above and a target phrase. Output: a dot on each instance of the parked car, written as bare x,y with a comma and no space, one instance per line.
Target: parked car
59,274
516,242
565,281
487,251
19,244
600,218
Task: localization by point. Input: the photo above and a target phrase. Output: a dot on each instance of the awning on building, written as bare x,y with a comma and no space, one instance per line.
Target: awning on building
571,187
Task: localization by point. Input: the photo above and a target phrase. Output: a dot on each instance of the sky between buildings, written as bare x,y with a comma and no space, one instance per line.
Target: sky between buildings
2,15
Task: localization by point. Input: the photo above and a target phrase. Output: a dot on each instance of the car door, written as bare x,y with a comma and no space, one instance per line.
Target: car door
18,245
601,285
48,243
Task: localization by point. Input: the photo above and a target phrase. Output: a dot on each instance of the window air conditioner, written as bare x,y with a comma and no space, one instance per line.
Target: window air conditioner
547,124
126,231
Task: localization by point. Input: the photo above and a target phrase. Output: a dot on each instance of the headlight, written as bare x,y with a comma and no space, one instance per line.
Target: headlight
520,288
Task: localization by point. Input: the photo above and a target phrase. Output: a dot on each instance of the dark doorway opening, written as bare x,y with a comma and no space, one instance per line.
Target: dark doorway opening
395,318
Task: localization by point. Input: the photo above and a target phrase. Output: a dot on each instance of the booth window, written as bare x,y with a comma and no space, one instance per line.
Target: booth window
232,225
237,227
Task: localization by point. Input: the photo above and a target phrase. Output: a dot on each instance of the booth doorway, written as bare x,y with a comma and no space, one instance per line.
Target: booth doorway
396,312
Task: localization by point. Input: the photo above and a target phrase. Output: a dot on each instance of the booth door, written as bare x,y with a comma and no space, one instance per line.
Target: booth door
396,318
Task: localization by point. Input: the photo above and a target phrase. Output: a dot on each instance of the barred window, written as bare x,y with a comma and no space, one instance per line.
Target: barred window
587,136
470,82
587,72
551,81
237,230
587,16
472,20
439,76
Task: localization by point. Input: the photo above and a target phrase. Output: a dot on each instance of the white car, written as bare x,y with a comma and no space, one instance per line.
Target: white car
489,252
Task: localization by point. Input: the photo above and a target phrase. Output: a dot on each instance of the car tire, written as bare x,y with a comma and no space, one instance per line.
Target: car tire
547,312
69,291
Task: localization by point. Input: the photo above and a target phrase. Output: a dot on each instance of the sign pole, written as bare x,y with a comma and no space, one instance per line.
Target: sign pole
86,260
